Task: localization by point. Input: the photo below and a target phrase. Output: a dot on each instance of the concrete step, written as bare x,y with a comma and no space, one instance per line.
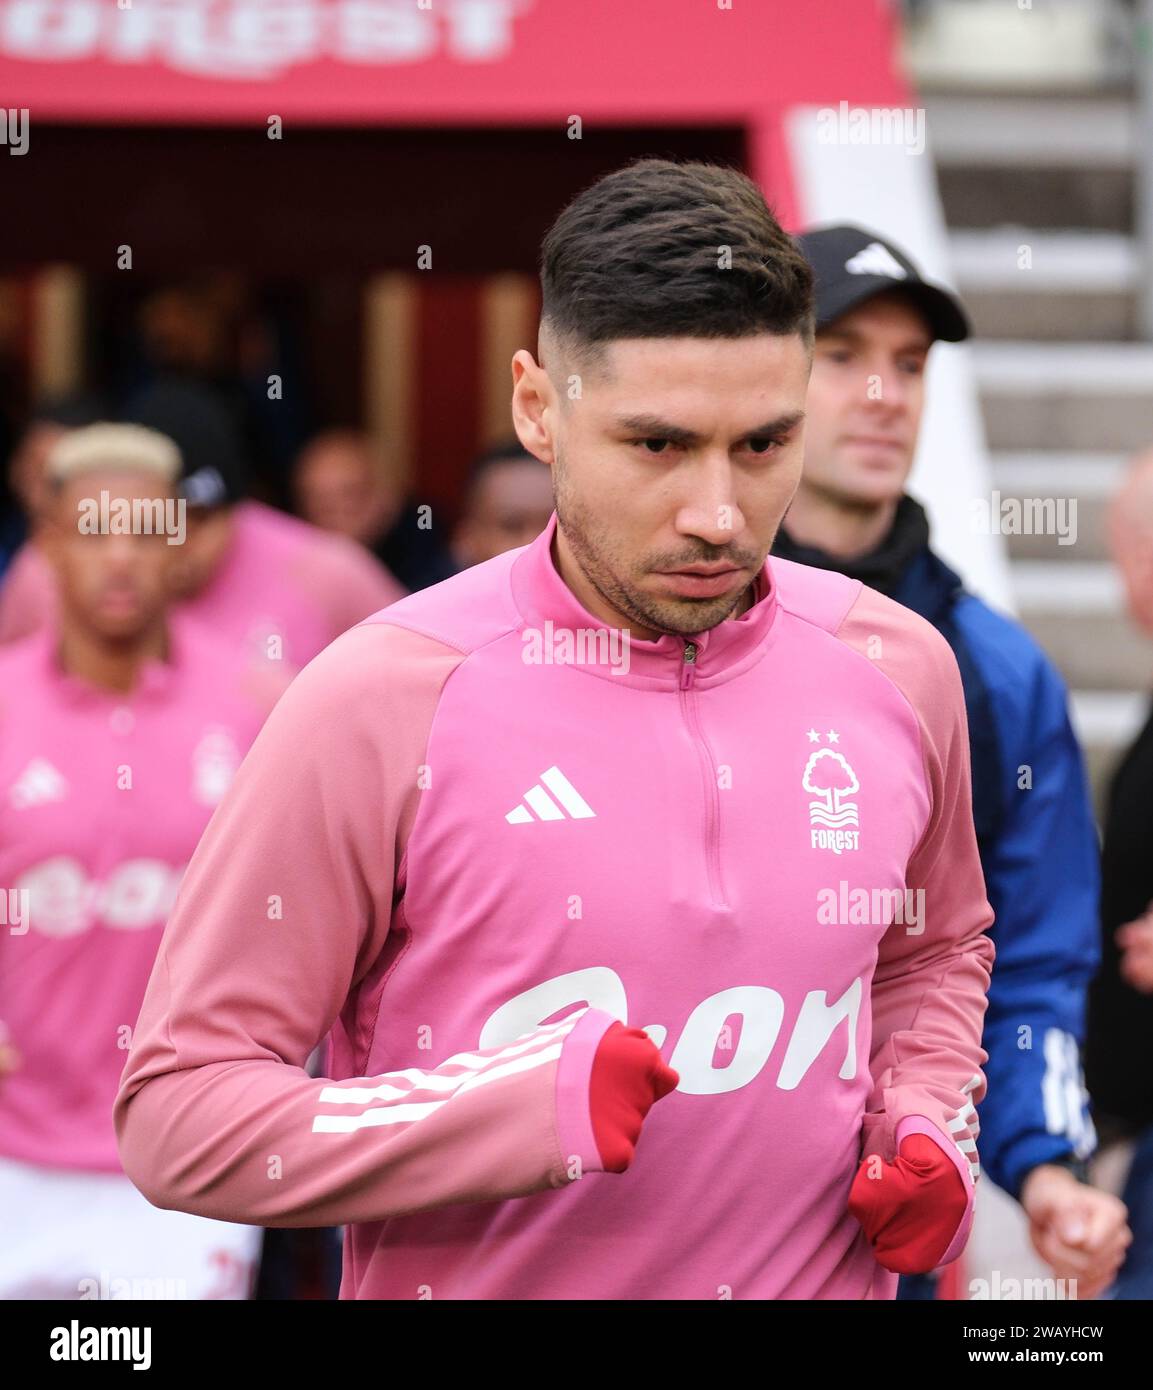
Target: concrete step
1066,396
1076,611
1066,385
1104,718
1073,491
1048,162
1092,198
981,43
1075,130
1024,282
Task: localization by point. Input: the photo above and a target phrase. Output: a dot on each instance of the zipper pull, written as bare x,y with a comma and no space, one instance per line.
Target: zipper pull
688,664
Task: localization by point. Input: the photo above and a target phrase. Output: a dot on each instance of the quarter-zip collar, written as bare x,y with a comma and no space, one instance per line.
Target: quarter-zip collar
557,628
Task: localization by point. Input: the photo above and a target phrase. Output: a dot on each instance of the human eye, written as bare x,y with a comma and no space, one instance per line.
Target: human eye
653,444
763,445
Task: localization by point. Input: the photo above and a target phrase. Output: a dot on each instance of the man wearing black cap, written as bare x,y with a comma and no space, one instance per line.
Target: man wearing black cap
876,321
273,585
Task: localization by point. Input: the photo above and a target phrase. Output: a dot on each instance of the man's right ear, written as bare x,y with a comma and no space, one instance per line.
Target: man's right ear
531,398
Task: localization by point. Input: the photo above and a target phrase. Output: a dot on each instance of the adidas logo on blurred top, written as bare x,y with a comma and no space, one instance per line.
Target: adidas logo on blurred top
39,782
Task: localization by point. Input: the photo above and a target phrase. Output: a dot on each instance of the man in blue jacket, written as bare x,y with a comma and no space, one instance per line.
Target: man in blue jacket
876,321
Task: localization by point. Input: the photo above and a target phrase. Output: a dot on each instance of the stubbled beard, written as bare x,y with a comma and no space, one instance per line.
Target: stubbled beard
677,616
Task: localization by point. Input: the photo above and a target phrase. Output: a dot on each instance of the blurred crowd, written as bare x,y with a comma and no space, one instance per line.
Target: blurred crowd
136,667
137,662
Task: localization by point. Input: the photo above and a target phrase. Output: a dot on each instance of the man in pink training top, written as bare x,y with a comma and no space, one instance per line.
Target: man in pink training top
119,732
270,585
634,773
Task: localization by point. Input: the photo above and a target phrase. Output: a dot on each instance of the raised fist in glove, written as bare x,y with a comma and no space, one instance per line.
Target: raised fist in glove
910,1209
628,1077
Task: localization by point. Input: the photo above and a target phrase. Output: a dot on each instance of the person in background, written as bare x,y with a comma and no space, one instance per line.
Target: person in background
232,334
266,582
120,729
508,500
876,322
24,481
338,486
1119,1045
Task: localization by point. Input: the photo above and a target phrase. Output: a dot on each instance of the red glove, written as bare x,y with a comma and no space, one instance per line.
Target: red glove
628,1077
912,1210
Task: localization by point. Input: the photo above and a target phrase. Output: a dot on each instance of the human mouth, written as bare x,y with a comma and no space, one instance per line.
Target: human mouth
876,442
702,581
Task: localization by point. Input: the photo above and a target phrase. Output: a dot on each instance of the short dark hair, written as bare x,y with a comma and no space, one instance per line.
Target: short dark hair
660,249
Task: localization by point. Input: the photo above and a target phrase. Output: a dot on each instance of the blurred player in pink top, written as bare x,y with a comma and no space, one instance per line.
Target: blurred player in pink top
263,581
119,732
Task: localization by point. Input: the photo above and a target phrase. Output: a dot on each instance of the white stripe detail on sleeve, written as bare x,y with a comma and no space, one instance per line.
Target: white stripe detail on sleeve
1063,1093
475,1068
435,1080
419,1110
964,1128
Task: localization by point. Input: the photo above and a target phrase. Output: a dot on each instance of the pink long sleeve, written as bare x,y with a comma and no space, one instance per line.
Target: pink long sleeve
285,914
929,987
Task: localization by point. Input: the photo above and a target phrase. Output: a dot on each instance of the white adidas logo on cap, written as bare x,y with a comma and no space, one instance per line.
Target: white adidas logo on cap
541,806
874,259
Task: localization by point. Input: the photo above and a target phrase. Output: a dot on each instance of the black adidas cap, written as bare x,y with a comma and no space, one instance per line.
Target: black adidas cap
851,265
193,415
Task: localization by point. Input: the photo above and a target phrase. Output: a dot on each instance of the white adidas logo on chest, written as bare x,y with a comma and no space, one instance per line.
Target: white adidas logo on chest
538,805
